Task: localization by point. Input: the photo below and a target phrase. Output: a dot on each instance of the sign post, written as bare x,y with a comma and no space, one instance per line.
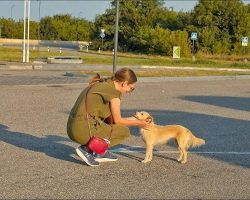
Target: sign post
244,45
102,36
193,38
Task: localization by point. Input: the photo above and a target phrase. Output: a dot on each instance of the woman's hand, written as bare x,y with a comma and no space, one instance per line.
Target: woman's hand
143,123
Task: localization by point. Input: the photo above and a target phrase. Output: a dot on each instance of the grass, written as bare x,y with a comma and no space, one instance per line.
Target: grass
168,73
131,60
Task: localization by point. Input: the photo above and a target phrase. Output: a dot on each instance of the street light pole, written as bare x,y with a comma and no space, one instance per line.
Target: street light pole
11,8
38,31
28,38
26,49
77,25
116,36
24,31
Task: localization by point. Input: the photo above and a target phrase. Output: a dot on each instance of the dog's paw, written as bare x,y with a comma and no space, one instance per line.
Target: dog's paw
145,161
183,161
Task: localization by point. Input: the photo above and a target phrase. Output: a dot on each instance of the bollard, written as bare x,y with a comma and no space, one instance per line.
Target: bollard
60,50
87,48
81,47
113,52
99,50
48,49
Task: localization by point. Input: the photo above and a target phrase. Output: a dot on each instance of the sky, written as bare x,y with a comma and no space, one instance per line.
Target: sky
87,9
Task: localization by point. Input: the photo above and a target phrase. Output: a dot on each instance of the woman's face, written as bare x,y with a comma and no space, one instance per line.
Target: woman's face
126,87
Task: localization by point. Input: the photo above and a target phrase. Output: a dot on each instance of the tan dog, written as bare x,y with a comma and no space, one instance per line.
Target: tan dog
156,134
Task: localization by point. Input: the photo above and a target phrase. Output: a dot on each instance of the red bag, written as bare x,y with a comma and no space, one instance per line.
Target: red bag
98,145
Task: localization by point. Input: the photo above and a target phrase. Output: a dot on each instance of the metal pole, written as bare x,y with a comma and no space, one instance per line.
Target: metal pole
102,44
193,57
24,32
11,10
116,36
38,31
28,37
245,54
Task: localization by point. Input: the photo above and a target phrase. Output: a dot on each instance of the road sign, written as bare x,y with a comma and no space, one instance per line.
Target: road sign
194,36
102,35
244,41
176,52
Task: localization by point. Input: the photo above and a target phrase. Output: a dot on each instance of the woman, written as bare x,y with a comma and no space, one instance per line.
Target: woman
103,100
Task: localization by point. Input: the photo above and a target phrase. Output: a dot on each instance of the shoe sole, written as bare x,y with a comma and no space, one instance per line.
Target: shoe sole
105,160
80,154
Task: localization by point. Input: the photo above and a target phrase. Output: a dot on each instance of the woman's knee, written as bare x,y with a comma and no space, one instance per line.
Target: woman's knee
123,131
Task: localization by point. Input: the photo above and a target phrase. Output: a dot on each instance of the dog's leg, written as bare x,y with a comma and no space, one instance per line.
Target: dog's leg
149,153
181,155
184,160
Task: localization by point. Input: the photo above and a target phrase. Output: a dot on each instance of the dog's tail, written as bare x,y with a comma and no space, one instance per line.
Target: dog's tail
195,141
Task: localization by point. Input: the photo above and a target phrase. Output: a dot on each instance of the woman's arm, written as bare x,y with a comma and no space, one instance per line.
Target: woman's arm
116,113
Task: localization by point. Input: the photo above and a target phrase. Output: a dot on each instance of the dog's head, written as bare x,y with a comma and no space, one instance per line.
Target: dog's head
144,115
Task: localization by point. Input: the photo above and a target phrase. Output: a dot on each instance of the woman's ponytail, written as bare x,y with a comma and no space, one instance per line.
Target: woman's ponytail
95,79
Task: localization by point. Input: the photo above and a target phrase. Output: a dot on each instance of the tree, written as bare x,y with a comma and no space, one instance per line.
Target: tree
223,22
133,16
65,28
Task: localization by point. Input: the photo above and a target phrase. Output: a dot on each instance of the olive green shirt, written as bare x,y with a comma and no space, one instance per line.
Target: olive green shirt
98,100
98,106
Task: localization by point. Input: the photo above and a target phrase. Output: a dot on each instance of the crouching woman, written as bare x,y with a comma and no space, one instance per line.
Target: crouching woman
100,100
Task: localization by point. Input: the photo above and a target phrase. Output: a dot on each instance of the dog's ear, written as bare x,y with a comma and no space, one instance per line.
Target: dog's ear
150,119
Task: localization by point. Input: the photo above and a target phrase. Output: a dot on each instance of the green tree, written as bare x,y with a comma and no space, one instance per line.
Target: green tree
161,41
222,23
65,28
133,16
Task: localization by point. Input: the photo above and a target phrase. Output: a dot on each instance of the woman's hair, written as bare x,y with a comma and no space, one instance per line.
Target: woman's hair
125,74
122,75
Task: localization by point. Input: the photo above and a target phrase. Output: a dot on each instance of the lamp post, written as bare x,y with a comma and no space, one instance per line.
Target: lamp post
0,31
77,25
24,31
116,36
11,8
28,35
26,50
38,28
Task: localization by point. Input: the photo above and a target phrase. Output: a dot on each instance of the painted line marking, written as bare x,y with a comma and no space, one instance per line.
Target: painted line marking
142,150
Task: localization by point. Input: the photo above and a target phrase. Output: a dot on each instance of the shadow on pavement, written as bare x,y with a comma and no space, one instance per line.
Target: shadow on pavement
50,144
226,138
222,134
239,103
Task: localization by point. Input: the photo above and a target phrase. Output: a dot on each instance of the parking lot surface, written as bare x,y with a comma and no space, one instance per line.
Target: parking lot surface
38,159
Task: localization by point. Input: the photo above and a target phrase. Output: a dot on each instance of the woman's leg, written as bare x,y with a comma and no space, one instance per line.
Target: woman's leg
119,134
116,134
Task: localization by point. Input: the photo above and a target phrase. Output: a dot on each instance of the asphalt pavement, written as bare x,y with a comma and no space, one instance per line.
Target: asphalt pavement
38,160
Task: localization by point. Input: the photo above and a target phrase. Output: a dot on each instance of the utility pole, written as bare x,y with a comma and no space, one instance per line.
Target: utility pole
0,31
28,38
11,8
24,31
116,36
26,49
38,31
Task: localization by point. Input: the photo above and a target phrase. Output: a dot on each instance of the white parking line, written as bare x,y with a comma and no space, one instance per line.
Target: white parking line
142,150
